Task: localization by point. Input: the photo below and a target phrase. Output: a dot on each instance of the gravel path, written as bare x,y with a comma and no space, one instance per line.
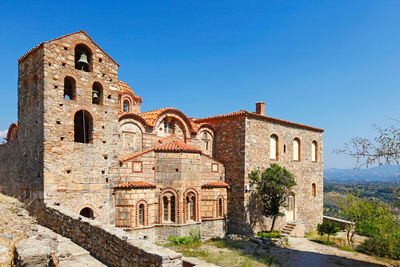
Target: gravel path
304,252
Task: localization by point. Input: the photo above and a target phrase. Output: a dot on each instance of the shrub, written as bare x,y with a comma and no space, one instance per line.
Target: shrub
194,236
387,246
327,228
269,235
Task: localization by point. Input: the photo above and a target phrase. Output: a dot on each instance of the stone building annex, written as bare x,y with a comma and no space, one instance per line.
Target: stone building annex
82,143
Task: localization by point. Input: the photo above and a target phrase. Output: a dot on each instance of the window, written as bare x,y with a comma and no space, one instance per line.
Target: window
168,126
69,88
86,212
191,207
83,125
97,93
207,141
220,208
296,149
169,208
141,214
83,58
314,190
314,151
273,147
125,106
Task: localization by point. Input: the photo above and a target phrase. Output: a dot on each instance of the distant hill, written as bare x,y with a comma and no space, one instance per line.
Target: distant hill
376,174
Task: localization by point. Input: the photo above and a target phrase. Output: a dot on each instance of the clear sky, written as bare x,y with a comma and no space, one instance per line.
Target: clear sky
329,64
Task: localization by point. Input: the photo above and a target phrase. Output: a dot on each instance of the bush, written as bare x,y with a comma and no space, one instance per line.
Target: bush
193,237
387,246
327,228
269,235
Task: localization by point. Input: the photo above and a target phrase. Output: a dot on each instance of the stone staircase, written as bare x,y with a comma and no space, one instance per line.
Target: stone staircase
294,229
288,228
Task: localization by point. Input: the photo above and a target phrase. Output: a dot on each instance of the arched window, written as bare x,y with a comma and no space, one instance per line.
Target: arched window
169,208
69,88
141,214
220,208
296,149
314,190
86,212
273,147
126,106
83,125
314,151
97,93
191,208
83,58
207,142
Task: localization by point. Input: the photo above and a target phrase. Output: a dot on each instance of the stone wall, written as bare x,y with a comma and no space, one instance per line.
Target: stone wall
111,245
342,224
9,168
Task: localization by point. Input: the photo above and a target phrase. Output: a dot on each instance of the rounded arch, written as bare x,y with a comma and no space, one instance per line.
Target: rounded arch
191,194
12,132
83,127
220,209
314,189
97,93
274,147
83,57
131,134
142,215
87,211
177,114
134,118
296,149
314,151
69,88
169,192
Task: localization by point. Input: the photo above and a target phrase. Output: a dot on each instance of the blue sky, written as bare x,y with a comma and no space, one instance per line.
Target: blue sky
329,64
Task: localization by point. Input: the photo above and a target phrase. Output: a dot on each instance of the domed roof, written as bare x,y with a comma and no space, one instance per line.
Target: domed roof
124,88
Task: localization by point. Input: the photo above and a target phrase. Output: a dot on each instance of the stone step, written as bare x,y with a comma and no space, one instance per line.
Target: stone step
81,261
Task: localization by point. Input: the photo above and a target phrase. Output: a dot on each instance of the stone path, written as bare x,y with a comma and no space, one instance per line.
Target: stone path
304,252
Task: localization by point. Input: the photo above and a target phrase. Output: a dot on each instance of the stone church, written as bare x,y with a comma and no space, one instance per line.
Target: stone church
82,142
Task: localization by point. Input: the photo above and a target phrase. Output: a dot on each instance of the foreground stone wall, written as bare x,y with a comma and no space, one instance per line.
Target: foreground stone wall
111,245
9,159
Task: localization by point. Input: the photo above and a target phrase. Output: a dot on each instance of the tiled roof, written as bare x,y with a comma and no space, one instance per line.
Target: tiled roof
176,146
137,154
215,185
124,88
255,115
137,184
151,116
81,31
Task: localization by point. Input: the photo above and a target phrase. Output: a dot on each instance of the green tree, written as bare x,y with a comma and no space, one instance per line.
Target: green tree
327,228
273,186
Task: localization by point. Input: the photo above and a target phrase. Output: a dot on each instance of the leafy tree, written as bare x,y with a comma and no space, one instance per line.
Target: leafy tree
327,228
273,186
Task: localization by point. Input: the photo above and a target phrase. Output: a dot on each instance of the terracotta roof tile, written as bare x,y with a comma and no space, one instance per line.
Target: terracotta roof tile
151,116
176,146
255,115
136,184
137,154
215,185
124,88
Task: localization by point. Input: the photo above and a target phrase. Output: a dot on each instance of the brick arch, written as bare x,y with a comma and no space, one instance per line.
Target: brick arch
146,213
178,115
217,215
206,127
90,206
163,192
187,192
104,86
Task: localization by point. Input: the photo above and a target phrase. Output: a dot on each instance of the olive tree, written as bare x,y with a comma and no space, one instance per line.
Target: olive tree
273,186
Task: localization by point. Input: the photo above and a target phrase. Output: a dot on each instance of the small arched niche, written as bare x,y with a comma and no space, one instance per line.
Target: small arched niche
83,58
97,93
69,88
87,212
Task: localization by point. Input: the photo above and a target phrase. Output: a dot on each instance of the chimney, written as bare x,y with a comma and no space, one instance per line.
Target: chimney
260,108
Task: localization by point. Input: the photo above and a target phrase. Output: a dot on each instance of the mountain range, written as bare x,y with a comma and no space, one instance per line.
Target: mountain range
375,174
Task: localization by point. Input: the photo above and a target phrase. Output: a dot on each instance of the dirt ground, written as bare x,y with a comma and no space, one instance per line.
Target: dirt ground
304,252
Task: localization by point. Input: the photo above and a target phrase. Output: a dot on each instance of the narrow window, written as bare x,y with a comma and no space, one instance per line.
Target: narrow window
125,106
172,209
273,147
141,214
166,209
97,93
83,58
83,125
314,151
69,88
220,208
296,149
190,208
314,190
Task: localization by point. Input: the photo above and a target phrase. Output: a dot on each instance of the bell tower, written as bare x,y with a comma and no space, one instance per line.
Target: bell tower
77,121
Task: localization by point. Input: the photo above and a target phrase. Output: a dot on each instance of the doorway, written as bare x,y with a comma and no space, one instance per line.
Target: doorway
291,209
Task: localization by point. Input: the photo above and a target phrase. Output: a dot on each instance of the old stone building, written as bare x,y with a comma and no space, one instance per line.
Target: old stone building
82,142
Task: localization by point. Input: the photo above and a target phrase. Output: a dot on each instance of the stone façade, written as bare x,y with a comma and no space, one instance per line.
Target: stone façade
155,173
